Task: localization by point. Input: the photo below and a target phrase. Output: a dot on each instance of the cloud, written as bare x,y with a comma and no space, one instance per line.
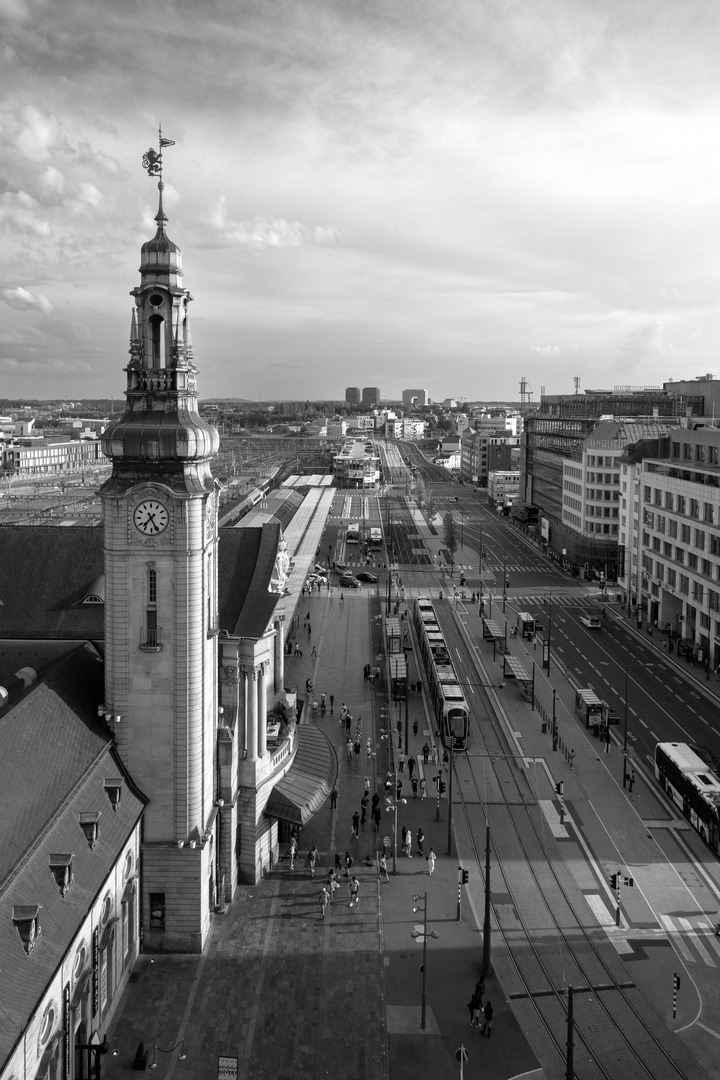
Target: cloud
546,350
262,232
23,300
10,365
648,342
20,213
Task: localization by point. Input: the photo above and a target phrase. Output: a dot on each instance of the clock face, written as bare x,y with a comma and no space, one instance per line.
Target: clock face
151,517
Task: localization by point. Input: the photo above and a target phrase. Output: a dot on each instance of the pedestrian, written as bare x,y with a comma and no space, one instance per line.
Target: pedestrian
408,844
338,862
401,759
293,851
349,749
354,891
324,900
423,787
376,818
474,1005
332,883
313,856
431,856
375,801
342,598
411,765
348,863
425,753
367,786
314,652
480,988
333,798
398,789
415,727
309,630
332,702
420,842
383,867
414,784
357,748
348,722
571,758
488,1014
404,836
363,806
356,825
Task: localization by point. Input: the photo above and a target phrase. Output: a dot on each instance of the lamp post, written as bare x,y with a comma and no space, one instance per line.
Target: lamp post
625,739
392,803
505,579
424,935
482,554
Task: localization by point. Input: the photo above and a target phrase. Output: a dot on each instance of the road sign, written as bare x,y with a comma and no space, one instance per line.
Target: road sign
461,1054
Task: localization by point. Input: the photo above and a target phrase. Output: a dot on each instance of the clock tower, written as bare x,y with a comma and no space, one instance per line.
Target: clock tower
160,520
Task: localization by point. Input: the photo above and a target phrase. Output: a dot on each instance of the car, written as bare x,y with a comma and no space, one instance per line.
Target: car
316,579
593,622
321,570
365,575
341,567
347,581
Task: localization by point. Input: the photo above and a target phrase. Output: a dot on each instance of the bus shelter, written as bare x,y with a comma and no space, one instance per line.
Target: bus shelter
393,635
398,678
492,632
514,669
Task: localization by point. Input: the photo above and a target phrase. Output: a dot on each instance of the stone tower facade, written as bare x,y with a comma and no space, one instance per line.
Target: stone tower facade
160,518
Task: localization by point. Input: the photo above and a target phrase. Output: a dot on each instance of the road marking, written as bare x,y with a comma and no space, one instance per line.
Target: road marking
655,737
676,938
688,926
642,722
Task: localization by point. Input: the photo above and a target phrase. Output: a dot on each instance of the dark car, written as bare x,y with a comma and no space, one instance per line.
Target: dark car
347,581
365,575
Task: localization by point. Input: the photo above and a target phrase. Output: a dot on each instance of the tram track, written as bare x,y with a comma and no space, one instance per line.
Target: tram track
551,941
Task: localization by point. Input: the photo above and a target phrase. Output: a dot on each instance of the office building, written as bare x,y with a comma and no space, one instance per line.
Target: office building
414,398
371,395
353,395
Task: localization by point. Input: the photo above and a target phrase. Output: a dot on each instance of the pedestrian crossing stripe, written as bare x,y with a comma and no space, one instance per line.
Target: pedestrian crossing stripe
688,934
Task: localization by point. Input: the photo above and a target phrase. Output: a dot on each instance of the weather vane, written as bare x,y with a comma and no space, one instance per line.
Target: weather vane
152,159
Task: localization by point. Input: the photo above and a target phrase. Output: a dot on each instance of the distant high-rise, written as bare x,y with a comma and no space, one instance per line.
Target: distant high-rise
414,397
371,395
353,395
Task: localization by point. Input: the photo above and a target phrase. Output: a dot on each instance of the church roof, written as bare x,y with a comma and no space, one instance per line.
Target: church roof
54,760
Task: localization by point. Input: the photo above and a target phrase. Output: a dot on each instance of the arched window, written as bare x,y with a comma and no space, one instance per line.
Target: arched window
151,615
157,341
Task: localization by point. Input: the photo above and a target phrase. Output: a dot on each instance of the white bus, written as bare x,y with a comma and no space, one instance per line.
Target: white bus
375,541
353,533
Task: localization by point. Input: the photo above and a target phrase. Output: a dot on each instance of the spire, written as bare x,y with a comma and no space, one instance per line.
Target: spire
152,161
160,216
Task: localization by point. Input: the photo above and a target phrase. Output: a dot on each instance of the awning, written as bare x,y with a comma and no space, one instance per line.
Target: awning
513,669
308,782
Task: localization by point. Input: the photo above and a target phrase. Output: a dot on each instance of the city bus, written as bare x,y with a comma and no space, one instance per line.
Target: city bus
691,785
375,539
353,533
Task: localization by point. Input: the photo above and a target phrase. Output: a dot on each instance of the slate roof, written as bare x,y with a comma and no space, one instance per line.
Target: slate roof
53,569
54,759
46,572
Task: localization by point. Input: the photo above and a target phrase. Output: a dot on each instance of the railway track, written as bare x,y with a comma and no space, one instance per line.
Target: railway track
551,941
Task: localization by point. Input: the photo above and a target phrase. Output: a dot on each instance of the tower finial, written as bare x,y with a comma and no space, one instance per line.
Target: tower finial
152,162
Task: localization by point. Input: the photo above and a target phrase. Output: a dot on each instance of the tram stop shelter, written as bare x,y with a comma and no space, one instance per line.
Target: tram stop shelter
514,669
398,678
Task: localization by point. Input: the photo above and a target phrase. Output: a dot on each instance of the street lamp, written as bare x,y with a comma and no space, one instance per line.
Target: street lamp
423,935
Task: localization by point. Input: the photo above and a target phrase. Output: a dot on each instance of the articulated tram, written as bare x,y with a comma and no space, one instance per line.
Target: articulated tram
446,693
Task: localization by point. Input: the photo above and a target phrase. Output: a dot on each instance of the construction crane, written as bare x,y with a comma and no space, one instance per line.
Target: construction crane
525,392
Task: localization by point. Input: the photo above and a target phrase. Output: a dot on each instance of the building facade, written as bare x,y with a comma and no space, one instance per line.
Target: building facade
357,465
371,395
353,395
415,398
43,457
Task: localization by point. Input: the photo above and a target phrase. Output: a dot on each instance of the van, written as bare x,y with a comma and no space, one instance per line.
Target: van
525,624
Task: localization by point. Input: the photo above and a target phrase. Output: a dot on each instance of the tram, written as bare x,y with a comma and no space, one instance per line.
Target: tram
693,786
446,693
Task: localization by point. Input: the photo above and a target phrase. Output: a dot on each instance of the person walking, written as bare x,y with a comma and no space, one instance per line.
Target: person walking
488,1014
356,825
333,798
480,989
349,749
363,807
415,727
376,818
408,844
431,856
401,760
354,891
332,883
313,856
420,842
398,790
314,652
309,630
338,862
425,753
357,747
474,1005
383,867
348,863
414,785
571,758
411,766
375,802
324,900
423,787
404,837
332,703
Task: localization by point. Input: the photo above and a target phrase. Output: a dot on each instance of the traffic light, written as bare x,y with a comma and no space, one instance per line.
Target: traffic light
614,881
441,786
629,881
559,787
465,876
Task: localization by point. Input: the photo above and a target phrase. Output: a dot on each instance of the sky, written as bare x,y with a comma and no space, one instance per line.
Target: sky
444,194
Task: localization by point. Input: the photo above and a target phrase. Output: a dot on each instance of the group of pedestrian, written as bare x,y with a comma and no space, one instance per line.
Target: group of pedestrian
328,891
477,1009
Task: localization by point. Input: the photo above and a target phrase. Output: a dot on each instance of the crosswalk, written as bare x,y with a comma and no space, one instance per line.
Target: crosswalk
693,937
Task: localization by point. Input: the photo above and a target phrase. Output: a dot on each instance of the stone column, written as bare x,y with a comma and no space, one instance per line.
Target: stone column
279,680
262,708
251,715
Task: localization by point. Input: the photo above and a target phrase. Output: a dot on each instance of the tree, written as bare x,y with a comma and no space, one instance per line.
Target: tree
450,538
420,491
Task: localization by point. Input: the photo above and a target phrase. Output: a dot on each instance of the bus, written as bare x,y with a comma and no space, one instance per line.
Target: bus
353,533
444,688
375,539
693,786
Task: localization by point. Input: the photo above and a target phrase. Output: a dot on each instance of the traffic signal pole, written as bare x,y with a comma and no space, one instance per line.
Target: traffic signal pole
486,923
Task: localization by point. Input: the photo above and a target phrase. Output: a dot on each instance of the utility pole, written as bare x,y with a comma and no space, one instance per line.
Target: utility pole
486,923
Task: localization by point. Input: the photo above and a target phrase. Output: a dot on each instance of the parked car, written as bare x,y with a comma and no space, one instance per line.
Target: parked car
365,575
593,622
347,581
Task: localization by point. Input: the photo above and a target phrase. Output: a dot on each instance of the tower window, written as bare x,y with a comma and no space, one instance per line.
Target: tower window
157,341
151,634
152,586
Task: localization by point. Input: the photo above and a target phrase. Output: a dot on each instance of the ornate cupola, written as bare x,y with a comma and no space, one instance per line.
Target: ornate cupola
161,435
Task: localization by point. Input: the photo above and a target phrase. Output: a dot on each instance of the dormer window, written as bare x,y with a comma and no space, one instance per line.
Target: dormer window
26,920
113,790
90,825
62,870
